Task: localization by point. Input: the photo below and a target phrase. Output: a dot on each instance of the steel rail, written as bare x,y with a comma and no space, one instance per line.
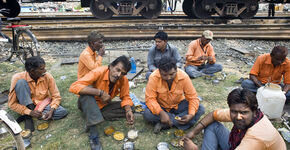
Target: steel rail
78,29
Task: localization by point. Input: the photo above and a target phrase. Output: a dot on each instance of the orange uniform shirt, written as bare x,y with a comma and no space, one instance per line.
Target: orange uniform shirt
88,61
99,79
261,136
45,87
195,50
158,95
265,71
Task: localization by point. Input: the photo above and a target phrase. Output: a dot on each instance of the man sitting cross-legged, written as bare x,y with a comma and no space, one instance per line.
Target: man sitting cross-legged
31,88
170,93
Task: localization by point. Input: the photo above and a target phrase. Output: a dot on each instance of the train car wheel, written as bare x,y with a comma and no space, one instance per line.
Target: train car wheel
99,9
251,10
187,6
200,10
152,10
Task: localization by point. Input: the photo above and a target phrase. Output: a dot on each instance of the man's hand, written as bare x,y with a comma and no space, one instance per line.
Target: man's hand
35,113
130,117
189,135
164,118
188,144
101,51
48,115
202,57
209,58
185,119
106,98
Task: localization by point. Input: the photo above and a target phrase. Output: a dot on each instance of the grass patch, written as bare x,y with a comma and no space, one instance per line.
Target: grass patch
69,133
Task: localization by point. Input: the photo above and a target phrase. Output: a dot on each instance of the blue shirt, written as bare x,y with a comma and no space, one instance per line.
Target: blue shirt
154,56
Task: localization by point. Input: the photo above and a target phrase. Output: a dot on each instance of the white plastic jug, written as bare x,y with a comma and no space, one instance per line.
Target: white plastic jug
271,100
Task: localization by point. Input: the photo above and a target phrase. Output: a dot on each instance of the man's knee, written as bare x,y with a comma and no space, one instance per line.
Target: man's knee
60,113
21,83
201,109
86,101
211,127
148,75
219,67
147,115
249,84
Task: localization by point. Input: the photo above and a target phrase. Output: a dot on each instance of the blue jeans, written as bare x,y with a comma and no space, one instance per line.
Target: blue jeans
181,111
197,71
250,85
216,135
23,94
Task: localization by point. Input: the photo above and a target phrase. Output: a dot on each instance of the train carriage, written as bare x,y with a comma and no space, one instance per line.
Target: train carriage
105,9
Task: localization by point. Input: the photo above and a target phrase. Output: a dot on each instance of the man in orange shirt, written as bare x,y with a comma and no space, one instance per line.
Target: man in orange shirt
105,82
31,88
252,130
270,68
171,98
200,57
91,57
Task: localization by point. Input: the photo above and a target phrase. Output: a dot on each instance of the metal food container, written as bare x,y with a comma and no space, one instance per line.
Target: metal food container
128,146
162,146
215,82
132,135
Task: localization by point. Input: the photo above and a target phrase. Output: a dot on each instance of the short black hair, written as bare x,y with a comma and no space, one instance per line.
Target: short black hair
124,60
33,62
279,50
161,35
94,36
167,63
243,96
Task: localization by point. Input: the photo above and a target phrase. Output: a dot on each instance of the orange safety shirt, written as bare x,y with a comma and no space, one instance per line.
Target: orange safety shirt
45,87
99,79
195,50
158,95
262,135
265,71
88,61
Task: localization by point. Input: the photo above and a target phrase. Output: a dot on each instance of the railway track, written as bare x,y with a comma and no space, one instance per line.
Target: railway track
77,28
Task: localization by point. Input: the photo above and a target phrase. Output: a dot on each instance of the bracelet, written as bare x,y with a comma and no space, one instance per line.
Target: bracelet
101,93
129,111
202,124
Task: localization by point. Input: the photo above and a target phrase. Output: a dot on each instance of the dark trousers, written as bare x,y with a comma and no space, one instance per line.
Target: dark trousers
181,111
94,115
271,10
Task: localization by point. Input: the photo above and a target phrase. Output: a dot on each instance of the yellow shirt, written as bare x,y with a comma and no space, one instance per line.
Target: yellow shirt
88,61
158,95
45,87
261,136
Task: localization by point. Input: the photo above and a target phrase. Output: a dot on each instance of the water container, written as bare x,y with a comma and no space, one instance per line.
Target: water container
271,100
133,65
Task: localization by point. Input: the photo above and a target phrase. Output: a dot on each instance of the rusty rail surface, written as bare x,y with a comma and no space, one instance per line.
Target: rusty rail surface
177,28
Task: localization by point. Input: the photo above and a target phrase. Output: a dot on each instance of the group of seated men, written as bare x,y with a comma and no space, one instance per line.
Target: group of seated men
169,93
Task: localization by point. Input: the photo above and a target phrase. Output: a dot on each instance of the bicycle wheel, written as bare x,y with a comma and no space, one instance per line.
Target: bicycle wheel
27,45
6,46
9,140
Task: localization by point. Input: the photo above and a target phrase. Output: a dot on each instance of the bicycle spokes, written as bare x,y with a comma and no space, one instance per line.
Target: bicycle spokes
27,45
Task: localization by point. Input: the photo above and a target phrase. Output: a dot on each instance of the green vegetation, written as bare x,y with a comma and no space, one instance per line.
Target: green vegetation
69,133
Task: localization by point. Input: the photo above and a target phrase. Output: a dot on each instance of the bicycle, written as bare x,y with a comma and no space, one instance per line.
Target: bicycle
10,137
23,43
